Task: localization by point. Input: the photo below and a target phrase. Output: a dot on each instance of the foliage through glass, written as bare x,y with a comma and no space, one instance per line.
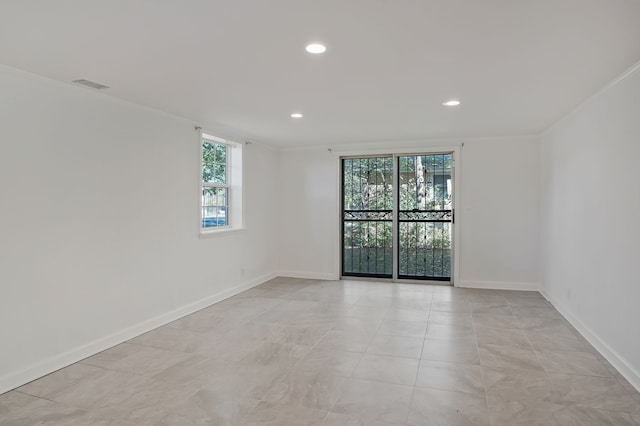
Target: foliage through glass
424,216
215,188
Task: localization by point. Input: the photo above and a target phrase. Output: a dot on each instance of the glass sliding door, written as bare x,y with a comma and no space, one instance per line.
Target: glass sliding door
397,216
425,215
367,217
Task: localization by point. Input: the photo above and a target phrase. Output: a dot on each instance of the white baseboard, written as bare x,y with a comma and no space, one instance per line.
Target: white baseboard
499,285
14,380
623,366
308,275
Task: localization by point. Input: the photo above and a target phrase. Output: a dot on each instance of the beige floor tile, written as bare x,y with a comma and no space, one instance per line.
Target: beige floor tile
449,294
305,335
534,311
14,400
49,413
439,407
552,327
507,412
508,383
295,318
329,297
140,401
484,298
454,305
312,390
490,309
387,369
266,292
449,332
345,340
196,372
545,342
508,357
462,351
174,339
502,336
243,382
306,307
412,315
407,347
137,359
375,301
357,324
268,353
584,363
334,361
374,314
375,401
587,391
286,284
512,412
88,393
604,393
201,408
205,321
453,318
529,302
403,328
450,376
243,308
491,320
412,302
489,304
335,419
582,416
228,347
61,380
557,333
268,414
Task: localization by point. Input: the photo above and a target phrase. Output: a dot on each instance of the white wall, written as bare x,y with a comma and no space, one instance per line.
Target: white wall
98,224
590,199
309,190
498,211
500,214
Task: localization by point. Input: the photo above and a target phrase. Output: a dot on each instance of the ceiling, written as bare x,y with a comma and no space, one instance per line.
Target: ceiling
516,65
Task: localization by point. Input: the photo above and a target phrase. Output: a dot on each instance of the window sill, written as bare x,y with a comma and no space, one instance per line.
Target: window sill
220,232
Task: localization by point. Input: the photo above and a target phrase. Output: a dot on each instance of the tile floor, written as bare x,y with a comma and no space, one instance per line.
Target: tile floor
304,352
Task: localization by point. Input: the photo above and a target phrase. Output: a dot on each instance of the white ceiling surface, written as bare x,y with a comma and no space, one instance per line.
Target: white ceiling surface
517,65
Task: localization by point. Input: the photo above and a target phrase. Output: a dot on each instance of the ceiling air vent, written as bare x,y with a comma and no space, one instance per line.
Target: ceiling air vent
91,84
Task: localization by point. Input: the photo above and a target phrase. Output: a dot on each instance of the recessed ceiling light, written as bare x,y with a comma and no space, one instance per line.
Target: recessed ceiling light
316,48
452,102
296,115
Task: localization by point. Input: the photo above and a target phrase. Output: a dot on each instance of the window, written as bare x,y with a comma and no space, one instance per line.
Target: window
220,184
215,184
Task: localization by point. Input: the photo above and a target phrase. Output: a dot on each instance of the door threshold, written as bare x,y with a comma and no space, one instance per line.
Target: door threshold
372,279
398,281
426,282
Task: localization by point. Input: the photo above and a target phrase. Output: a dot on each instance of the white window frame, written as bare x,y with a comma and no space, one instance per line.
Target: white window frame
233,183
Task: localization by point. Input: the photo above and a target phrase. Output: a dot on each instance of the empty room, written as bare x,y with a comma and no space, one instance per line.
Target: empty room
296,212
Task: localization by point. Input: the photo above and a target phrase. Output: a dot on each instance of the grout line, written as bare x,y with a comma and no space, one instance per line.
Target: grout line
475,335
415,382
